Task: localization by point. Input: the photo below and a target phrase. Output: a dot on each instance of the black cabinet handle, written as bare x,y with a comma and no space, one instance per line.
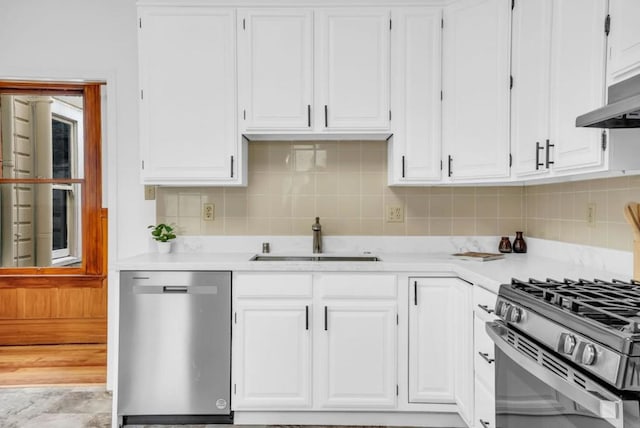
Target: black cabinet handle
309,115
415,293
450,162
325,318
402,166
538,148
485,424
547,161
486,309
231,166
485,357
306,317
326,116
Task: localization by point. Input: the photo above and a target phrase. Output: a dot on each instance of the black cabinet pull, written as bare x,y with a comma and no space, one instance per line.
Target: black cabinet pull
309,115
306,317
485,424
538,148
450,162
415,293
402,166
325,318
326,116
485,357
231,166
547,161
486,309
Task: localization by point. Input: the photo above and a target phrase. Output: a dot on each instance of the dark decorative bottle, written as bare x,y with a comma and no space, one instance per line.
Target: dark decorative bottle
519,246
505,245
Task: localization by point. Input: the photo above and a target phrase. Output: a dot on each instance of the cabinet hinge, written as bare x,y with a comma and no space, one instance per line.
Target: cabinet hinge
244,24
397,390
442,23
513,4
143,164
510,160
604,141
140,22
441,95
235,318
389,115
390,25
234,389
440,164
510,82
607,25
244,114
397,319
141,94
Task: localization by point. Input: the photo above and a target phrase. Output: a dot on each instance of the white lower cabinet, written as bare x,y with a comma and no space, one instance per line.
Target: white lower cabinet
484,359
440,343
329,336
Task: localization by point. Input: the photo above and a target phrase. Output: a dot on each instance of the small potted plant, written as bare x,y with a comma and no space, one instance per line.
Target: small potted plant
163,234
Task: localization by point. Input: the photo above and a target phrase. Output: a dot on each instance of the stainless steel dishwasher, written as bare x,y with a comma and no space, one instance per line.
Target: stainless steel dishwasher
175,347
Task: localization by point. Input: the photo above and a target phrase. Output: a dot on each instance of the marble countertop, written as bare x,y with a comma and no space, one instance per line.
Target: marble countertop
488,274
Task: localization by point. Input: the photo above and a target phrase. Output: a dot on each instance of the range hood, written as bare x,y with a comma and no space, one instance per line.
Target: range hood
623,110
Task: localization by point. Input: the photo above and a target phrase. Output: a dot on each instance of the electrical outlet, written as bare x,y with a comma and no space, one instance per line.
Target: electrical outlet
149,193
208,212
591,214
395,214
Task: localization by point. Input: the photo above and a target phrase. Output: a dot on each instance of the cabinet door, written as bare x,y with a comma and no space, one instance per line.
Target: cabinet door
273,349
624,40
416,80
357,354
475,79
187,97
430,340
275,57
463,349
531,47
577,80
353,68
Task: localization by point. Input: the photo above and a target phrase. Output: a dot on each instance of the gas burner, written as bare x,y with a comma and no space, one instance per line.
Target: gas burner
614,304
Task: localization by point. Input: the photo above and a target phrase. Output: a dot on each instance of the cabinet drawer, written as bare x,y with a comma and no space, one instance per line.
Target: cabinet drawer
343,286
265,285
484,303
485,407
482,343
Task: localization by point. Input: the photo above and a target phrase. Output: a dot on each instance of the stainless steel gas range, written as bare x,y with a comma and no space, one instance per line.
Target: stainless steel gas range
567,354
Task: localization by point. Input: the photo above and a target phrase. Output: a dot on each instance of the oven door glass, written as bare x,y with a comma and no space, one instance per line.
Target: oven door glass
536,388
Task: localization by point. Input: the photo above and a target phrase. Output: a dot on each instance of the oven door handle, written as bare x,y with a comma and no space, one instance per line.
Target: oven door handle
598,400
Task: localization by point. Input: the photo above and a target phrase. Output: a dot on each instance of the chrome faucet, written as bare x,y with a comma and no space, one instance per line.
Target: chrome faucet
317,236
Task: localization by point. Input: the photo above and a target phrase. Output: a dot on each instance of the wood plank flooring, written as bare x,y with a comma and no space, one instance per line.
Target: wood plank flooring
46,365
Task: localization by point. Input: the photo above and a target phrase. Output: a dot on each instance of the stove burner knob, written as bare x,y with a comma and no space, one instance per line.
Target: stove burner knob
569,344
504,310
515,315
588,355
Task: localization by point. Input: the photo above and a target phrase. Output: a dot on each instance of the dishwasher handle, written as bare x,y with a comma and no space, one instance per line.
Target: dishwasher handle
174,289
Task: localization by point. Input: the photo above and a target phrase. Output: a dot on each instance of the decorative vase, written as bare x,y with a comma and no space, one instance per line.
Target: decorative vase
519,246
164,247
505,245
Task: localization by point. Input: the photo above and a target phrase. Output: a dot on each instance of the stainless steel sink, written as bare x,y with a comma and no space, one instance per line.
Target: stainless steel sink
318,258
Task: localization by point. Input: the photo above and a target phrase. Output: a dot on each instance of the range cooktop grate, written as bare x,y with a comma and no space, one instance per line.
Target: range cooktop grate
614,304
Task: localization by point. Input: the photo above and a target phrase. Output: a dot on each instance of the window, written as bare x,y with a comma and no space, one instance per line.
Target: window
51,220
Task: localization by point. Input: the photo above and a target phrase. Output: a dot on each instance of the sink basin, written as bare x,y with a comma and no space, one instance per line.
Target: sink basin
318,258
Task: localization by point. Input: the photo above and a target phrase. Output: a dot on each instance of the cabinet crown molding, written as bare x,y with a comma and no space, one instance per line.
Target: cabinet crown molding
294,3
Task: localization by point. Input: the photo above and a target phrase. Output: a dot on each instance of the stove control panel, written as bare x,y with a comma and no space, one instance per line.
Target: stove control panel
593,357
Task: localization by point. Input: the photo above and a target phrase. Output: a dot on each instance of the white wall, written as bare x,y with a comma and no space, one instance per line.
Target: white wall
90,39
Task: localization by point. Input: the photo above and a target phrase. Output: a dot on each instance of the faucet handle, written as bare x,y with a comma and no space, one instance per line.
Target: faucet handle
316,226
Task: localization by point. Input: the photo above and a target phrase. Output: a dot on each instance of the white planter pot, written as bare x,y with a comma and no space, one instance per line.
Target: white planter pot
164,247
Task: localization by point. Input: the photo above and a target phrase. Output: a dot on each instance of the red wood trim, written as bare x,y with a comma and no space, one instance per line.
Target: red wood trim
51,281
53,331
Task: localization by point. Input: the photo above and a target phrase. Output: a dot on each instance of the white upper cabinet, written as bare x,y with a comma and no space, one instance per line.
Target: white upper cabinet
624,40
577,80
475,128
558,70
275,68
188,130
352,68
415,151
